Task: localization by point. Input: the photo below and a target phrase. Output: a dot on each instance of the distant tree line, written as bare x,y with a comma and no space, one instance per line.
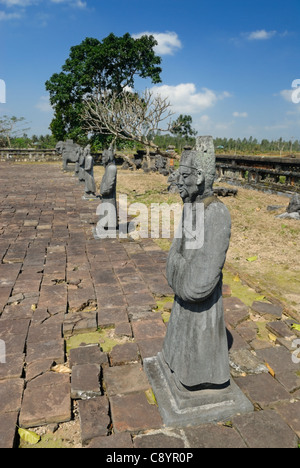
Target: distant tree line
178,142
233,146
253,146
26,142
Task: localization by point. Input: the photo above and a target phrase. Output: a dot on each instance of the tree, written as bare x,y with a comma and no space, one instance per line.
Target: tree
280,145
10,128
112,64
183,127
127,116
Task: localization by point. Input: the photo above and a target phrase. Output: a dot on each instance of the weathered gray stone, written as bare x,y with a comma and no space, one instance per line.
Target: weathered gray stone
94,418
290,413
107,210
13,366
80,322
265,429
90,185
11,392
121,440
294,205
8,428
146,329
125,379
192,372
132,413
267,310
54,349
124,354
69,152
280,329
159,440
244,361
85,381
286,371
262,389
46,401
87,355
213,436
181,408
235,311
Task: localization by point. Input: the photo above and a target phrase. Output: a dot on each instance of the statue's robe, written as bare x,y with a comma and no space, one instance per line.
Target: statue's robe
196,347
81,172
108,188
90,186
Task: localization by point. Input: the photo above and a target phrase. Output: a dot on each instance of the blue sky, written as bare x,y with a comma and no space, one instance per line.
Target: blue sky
229,64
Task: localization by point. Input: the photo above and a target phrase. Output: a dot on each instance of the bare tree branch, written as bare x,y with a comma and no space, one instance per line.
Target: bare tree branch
128,116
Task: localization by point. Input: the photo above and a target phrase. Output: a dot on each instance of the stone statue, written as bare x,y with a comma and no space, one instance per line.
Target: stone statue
293,210
78,152
108,208
90,185
69,151
81,162
194,359
195,347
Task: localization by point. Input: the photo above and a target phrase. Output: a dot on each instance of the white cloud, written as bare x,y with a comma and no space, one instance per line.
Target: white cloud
260,35
286,94
26,3
44,105
168,42
185,98
8,16
240,114
73,3
18,3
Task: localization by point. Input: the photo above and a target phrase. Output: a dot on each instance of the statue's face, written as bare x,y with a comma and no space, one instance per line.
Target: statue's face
107,157
190,182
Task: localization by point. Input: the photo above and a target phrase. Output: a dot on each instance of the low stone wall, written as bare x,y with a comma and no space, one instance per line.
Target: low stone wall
28,155
265,173
259,172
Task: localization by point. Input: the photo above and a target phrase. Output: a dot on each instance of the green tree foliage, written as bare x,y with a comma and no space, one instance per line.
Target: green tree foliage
183,131
93,66
183,126
11,127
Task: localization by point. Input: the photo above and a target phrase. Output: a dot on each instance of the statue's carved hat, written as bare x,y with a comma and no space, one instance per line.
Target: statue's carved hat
202,158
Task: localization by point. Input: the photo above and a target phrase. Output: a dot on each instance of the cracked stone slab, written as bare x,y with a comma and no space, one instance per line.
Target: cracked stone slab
46,401
80,322
94,418
267,310
244,361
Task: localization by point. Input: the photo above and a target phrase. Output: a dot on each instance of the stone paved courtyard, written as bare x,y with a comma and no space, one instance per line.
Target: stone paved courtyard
62,293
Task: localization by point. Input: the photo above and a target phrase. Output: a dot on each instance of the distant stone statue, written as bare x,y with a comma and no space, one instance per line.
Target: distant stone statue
108,208
294,206
78,152
69,151
293,210
90,185
81,165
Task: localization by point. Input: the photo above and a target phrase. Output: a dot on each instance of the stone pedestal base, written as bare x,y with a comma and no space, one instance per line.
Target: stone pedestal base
183,408
87,196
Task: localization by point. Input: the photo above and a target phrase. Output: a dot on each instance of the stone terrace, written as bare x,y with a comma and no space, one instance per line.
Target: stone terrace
62,293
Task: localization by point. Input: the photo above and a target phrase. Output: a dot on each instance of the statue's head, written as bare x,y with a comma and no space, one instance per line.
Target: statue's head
197,170
108,156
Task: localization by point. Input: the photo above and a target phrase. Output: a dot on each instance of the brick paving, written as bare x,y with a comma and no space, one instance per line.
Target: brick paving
86,306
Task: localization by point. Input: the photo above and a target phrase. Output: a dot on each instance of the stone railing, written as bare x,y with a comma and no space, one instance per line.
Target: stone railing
260,172
28,155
